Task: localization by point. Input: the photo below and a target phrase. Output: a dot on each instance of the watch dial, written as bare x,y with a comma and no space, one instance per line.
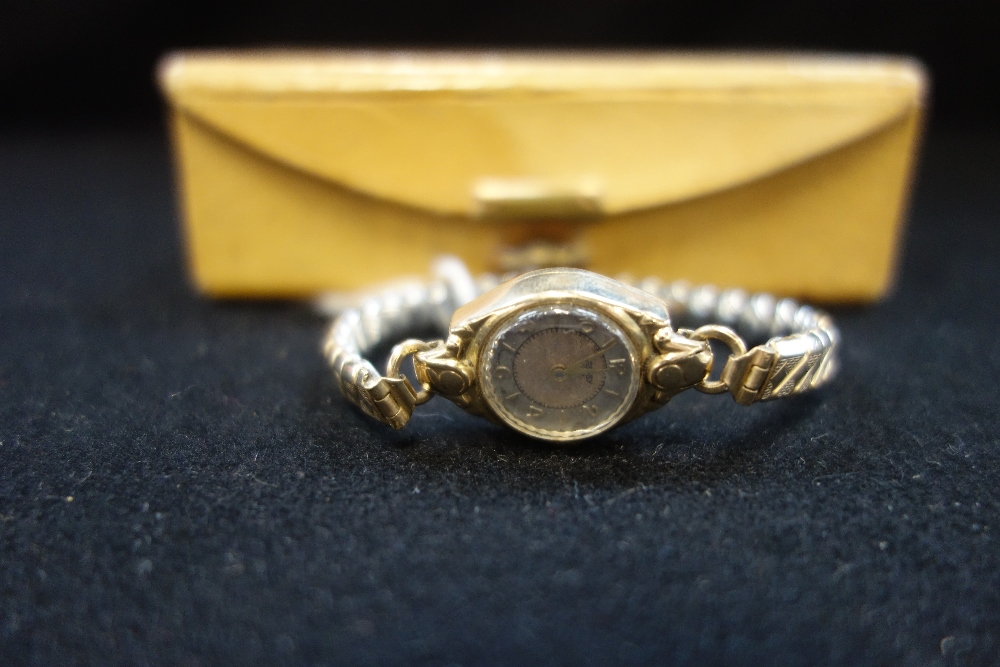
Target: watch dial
559,372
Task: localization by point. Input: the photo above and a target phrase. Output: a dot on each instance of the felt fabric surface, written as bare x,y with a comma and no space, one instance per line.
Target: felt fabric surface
182,484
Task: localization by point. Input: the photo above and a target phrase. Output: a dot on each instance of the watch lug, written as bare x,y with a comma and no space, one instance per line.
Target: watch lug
681,364
439,369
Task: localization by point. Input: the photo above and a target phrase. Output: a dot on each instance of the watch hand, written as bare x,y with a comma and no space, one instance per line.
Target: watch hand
600,352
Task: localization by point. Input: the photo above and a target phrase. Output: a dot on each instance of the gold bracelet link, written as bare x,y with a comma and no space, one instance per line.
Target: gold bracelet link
735,344
386,316
393,369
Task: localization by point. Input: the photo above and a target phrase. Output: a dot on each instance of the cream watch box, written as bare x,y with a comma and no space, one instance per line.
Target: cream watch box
305,172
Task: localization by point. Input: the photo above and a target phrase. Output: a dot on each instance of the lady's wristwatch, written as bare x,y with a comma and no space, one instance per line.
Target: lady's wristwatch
564,354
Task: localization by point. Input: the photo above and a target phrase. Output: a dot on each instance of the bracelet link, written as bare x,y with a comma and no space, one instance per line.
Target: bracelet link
781,367
394,398
389,400
746,374
736,346
393,371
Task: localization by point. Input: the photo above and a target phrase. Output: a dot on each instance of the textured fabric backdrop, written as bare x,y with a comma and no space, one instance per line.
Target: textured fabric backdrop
181,484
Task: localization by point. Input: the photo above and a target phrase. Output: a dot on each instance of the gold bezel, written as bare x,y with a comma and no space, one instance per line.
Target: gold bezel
638,314
545,308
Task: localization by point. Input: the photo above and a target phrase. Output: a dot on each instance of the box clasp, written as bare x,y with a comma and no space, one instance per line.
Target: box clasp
542,219
537,199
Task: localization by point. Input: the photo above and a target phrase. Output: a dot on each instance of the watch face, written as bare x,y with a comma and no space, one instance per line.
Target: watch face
559,372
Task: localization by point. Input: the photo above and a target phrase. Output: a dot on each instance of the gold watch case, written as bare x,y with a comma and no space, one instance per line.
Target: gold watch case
562,354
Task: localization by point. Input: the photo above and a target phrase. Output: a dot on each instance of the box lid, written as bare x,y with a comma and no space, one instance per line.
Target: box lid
642,129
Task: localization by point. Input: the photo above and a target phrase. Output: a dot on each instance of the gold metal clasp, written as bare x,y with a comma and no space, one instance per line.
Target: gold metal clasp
542,219
537,199
394,373
737,349
540,254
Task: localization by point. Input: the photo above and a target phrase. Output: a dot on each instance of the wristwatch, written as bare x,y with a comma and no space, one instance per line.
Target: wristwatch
564,354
